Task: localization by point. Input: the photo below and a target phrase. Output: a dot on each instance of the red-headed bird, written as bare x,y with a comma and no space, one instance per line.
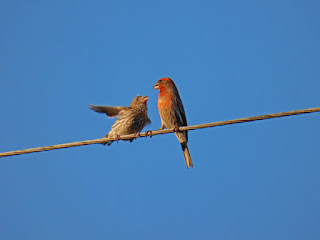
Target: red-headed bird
172,113
131,120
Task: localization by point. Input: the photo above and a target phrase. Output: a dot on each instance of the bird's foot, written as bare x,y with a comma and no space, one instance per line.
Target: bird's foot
117,138
176,129
136,135
149,133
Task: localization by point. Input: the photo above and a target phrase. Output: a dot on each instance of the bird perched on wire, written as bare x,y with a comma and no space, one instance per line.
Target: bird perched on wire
172,113
131,120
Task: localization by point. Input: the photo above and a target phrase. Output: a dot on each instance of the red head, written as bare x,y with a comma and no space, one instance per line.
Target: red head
165,84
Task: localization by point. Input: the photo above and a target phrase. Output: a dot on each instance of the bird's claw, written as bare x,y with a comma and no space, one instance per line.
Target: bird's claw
176,129
149,133
136,135
117,138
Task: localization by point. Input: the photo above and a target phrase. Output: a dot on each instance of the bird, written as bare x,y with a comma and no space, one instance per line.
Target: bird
172,113
131,120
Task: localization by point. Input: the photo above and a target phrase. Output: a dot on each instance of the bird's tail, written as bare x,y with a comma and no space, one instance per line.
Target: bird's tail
186,154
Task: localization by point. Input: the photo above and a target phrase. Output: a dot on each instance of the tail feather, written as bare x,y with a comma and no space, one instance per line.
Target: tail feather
186,154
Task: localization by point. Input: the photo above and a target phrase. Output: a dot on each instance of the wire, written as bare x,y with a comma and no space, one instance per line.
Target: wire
158,132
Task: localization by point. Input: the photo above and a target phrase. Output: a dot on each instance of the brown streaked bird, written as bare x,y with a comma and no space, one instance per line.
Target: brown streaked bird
172,113
131,120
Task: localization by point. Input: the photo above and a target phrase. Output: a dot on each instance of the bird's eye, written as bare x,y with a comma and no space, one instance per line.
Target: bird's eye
160,81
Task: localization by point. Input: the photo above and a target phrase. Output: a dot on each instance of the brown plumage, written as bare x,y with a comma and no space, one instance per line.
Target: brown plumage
131,120
172,113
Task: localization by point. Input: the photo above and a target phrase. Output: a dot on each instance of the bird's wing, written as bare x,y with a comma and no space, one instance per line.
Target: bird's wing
180,113
110,111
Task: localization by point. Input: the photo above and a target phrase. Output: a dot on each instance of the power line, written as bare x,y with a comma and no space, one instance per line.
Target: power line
158,132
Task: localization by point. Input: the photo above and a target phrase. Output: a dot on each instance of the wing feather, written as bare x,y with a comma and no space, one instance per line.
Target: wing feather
110,111
180,113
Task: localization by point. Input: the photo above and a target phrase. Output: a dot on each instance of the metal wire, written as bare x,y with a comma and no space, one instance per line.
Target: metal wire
158,132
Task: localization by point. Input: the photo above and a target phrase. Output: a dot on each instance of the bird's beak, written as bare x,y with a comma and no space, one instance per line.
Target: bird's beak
156,86
145,99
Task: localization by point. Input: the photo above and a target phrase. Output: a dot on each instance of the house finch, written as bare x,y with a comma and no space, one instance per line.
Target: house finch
130,120
172,113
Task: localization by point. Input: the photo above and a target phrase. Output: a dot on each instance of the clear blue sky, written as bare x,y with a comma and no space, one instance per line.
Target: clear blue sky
229,59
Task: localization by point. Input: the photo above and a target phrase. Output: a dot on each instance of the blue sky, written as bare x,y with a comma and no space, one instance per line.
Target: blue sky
229,60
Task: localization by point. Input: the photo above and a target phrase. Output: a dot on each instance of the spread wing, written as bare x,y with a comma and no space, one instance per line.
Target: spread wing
110,111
